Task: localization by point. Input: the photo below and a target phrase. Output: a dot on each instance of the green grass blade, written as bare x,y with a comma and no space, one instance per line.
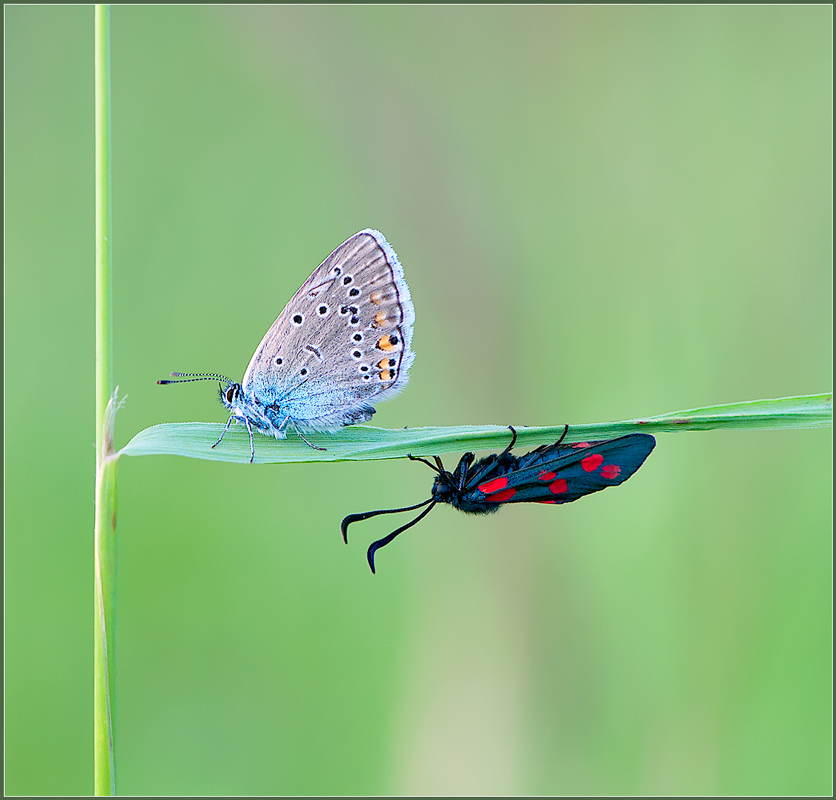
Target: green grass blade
362,442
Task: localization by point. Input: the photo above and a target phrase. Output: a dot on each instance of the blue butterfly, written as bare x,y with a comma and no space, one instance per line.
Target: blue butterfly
342,343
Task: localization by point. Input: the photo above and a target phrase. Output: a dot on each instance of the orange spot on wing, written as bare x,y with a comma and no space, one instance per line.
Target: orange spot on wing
385,343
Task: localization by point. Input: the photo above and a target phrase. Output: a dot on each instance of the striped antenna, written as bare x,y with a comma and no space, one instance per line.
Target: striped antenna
197,376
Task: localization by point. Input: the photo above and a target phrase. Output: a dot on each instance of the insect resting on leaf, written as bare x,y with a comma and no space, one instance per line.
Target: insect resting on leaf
553,473
342,343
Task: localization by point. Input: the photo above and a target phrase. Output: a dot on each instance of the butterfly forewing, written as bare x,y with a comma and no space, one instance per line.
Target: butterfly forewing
561,474
343,341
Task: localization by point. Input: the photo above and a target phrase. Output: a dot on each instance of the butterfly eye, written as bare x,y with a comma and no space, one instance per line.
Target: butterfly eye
230,393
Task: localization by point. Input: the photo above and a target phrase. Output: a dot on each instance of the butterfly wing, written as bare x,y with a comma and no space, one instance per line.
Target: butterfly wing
343,342
561,474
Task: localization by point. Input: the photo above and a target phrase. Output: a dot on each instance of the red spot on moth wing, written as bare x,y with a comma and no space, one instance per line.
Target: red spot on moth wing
547,476
493,486
558,487
591,463
501,497
552,502
579,445
610,471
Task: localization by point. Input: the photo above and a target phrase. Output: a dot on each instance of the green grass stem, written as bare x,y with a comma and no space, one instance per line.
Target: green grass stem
105,496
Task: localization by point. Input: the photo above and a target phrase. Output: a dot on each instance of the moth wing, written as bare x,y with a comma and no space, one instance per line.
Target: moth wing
561,474
353,311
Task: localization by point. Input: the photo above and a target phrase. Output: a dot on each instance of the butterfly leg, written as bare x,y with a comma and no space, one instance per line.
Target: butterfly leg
223,432
302,437
252,444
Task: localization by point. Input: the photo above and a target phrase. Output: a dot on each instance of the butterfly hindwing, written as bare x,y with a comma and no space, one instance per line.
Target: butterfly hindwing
342,343
561,473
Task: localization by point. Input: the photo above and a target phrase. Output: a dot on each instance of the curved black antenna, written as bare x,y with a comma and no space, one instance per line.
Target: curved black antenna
197,376
562,435
360,517
375,546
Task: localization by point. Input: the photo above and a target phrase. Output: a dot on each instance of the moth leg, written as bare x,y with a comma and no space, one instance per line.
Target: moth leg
562,435
463,469
424,461
513,442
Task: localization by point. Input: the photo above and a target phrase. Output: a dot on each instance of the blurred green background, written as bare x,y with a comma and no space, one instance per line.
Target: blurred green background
603,213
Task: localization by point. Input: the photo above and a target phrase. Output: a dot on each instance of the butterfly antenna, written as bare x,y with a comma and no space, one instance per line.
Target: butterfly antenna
197,376
360,517
375,546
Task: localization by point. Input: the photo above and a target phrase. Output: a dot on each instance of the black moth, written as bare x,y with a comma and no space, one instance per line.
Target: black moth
553,473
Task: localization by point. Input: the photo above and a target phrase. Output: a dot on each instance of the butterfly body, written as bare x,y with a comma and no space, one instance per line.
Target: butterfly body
551,474
342,343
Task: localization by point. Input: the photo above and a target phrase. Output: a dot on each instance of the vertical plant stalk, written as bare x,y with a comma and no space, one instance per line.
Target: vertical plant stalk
104,683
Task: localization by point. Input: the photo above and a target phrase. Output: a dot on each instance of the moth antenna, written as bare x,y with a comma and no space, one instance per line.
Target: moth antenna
367,514
191,377
375,546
